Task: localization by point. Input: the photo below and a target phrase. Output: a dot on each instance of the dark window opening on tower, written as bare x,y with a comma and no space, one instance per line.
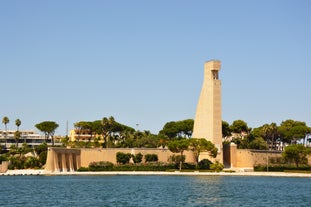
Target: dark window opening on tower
215,74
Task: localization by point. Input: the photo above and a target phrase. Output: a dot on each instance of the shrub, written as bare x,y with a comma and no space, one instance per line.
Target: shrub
100,166
137,158
108,166
123,158
296,154
205,164
32,162
217,166
41,148
155,166
42,157
83,169
187,166
280,168
16,163
151,157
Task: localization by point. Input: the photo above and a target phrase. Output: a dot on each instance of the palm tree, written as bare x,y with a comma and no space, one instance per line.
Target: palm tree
270,134
274,129
5,121
17,134
107,127
18,123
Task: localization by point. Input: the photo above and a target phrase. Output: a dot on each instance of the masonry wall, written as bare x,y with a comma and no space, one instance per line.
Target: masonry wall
96,155
62,159
4,166
244,159
247,158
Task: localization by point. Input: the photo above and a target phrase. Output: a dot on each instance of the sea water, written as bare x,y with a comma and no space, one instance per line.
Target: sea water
154,191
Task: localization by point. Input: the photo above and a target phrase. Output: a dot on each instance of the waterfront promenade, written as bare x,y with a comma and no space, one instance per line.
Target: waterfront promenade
176,173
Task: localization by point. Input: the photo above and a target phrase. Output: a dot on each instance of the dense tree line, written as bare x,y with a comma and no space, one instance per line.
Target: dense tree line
110,133
175,135
107,132
24,157
268,136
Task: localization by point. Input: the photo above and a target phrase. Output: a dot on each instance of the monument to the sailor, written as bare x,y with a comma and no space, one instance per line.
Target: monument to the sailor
208,122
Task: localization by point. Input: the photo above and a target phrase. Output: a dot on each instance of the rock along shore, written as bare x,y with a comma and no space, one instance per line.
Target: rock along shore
195,173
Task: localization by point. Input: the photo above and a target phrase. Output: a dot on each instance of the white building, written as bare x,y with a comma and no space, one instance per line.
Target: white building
27,136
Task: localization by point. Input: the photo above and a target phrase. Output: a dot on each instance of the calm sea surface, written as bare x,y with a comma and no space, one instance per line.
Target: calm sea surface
154,191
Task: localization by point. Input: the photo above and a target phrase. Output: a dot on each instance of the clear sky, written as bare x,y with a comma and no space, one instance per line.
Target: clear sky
142,61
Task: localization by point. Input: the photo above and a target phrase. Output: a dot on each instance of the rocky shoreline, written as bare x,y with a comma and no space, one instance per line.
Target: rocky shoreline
195,173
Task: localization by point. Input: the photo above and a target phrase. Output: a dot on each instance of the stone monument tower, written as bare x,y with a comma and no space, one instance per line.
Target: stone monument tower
208,121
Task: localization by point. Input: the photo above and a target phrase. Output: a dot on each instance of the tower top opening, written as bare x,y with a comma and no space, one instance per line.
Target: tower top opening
212,65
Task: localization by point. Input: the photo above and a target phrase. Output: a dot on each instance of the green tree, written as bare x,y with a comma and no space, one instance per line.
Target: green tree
18,123
32,162
86,128
258,143
120,133
48,128
239,126
179,146
242,143
296,154
97,127
170,130
17,136
225,129
107,129
114,132
290,131
178,129
5,121
270,133
65,141
41,148
145,140
13,150
42,157
25,149
185,128
202,145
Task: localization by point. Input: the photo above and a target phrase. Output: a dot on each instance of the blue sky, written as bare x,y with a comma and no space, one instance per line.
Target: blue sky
142,61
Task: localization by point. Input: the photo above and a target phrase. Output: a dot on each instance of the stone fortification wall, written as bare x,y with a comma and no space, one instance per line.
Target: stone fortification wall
247,158
96,155
242,158
62,159
250,158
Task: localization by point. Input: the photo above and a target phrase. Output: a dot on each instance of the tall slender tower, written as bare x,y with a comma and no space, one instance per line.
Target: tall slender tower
208,122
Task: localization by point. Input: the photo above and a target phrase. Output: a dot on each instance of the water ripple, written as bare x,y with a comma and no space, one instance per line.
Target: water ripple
153,191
